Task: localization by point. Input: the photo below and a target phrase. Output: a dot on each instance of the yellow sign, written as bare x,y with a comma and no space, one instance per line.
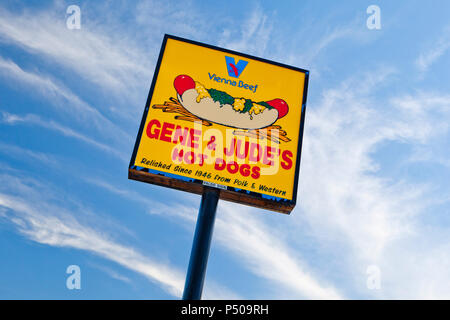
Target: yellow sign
224,119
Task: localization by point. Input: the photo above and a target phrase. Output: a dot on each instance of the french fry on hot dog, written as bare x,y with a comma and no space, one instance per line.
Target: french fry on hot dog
219,107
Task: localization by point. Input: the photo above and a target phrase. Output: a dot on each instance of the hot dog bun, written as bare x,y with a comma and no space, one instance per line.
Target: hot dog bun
198,100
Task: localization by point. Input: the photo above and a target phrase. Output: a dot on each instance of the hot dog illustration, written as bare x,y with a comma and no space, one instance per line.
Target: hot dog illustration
219,107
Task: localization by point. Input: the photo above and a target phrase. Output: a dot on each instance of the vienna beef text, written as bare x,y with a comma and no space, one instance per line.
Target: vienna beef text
237,148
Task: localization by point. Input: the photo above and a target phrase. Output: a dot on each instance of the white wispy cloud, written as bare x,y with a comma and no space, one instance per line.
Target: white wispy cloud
253,35
40,219
112,273
438,49
260,249
13,119
243,234
44,226
185,18
263,250
25,203
345,199
92,52
118,60
22,153
258,35
339,188
64,100
309,53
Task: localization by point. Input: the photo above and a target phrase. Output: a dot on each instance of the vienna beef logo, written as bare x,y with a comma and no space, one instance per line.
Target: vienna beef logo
235,69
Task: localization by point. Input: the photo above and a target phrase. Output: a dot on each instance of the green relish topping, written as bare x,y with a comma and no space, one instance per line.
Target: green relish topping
225,98
221,97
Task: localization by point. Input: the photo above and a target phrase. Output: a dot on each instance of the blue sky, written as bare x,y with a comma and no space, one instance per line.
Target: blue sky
373,188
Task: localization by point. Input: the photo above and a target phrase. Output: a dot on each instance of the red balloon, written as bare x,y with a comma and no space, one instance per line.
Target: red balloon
183,83
280,105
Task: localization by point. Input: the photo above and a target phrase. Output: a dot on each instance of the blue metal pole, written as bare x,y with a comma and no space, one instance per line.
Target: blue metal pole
201,244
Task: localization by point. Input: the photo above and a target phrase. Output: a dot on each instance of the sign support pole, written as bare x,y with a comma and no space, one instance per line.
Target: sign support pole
200,247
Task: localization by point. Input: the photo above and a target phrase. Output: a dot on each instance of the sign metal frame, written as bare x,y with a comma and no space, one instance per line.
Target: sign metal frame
198,186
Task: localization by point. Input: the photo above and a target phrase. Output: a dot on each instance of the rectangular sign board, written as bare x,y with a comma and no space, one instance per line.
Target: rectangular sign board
223,119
